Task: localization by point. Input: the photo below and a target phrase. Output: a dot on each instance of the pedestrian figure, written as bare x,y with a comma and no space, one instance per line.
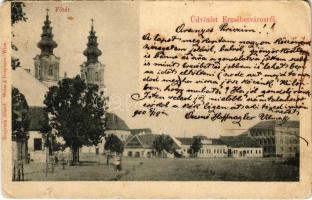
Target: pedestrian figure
118,163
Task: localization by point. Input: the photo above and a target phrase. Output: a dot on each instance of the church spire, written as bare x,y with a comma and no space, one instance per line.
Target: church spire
47,44
92,52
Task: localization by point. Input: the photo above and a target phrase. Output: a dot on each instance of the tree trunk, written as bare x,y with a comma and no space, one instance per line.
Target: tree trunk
107,157
18,150
120,162
21,150
75,152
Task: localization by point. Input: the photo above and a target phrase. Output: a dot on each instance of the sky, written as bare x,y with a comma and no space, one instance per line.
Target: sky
117,26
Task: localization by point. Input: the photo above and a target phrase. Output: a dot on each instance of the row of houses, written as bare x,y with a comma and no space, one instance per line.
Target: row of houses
266,138
139,142
141,145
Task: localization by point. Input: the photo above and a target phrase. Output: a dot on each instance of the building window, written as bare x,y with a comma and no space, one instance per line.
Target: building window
37,144
256,151
97,150
96,76
130,154
50,71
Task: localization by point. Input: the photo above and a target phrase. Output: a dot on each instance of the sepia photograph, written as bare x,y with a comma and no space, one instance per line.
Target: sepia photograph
193,96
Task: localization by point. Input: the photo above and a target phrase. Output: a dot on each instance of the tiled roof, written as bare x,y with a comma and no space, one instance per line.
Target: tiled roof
29,86
239,141
185,141
201,137
217,142
145,141
113,122
141,141
189,141
36,115
294,124
273,124
141,130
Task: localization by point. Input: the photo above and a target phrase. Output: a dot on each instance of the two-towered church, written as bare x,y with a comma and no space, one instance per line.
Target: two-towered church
34,85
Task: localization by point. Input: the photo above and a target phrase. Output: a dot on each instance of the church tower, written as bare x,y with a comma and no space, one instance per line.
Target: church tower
46,63
92,71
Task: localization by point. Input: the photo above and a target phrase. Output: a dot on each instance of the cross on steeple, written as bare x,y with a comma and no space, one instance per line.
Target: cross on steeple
92,52
92,23
47,13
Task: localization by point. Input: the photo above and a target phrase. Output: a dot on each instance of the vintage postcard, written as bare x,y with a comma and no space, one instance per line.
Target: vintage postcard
156,99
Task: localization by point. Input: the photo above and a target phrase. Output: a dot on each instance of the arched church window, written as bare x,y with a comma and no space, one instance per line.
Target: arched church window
50,71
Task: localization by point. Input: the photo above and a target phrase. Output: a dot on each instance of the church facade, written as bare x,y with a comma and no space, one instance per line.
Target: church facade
46,63
92,71
46,74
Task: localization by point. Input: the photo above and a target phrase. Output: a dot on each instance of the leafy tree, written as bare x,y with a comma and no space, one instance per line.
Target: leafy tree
17,15
20,122
163,143
76,113
113,144
50,138
196,146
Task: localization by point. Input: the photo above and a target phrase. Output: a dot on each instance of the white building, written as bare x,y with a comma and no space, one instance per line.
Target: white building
242,146
213,148
210,147
141,144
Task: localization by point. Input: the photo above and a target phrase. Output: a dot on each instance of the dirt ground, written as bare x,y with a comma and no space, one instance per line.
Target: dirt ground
93,168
